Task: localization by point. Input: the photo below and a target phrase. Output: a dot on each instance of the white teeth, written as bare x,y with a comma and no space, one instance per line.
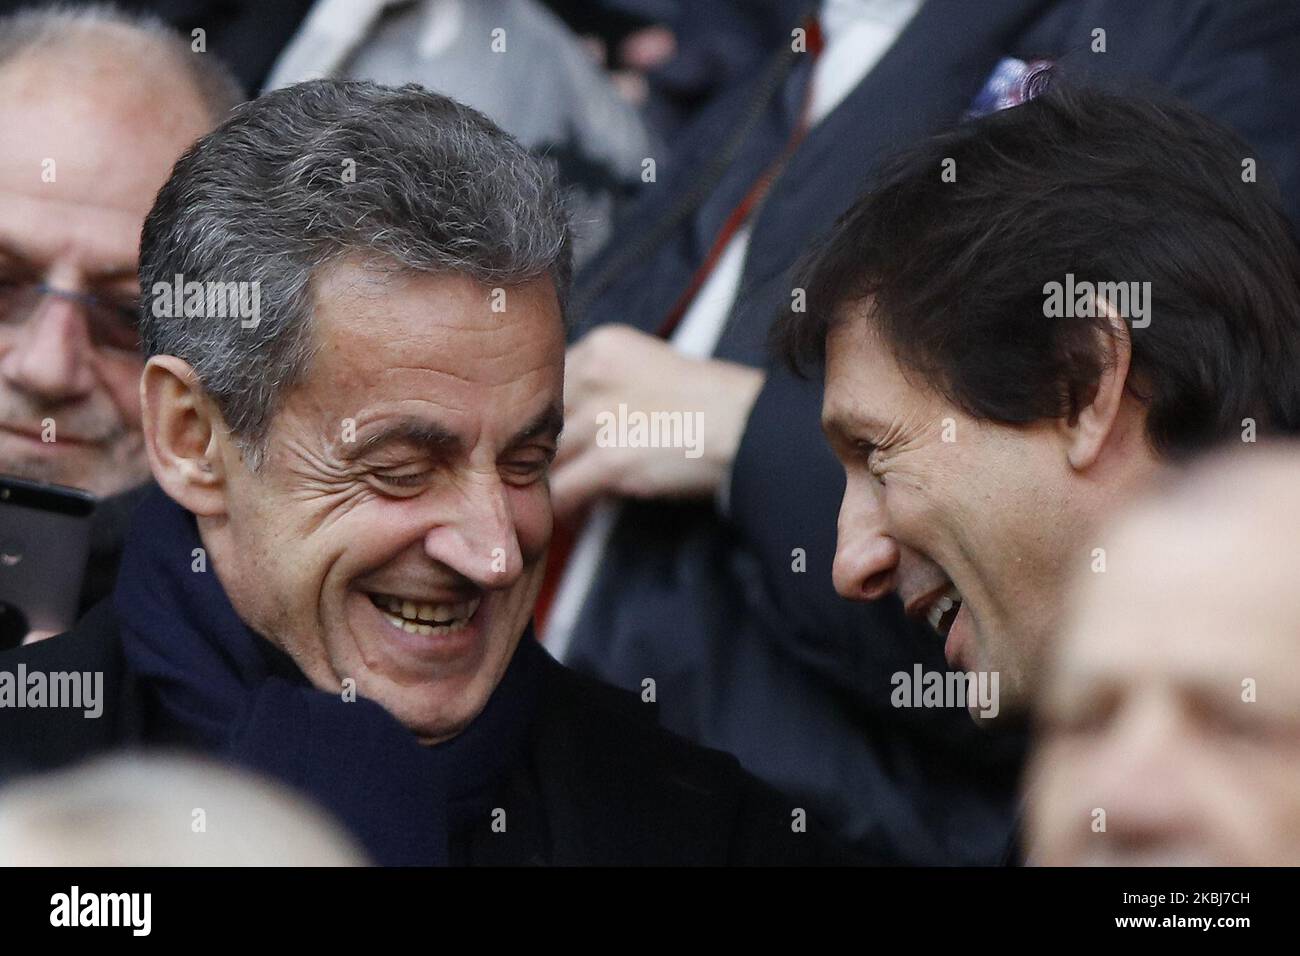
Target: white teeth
941,607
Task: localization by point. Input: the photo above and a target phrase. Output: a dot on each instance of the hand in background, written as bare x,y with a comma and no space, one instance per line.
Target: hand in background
616,365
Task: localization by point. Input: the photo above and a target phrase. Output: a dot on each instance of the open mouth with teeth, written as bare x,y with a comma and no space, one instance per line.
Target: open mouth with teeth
422,617
944,611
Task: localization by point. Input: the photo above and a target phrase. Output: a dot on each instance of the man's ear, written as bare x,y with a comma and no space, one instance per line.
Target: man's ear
181,433
1094,421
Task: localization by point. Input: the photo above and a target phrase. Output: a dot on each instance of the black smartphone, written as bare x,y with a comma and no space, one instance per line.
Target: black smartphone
44,545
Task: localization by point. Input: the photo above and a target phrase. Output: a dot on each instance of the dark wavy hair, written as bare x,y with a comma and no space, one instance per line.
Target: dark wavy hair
1109,188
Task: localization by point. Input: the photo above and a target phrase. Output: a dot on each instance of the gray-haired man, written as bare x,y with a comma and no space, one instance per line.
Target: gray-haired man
354,389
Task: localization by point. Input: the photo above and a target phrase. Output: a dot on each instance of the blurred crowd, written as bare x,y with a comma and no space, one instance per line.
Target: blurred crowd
498,432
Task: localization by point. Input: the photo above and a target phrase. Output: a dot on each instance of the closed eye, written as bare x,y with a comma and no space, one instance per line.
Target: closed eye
402,483
867,453
529,468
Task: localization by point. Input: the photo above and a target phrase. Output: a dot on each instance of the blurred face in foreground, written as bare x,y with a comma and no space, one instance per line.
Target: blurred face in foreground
85,146
396,532
975,524
1173,712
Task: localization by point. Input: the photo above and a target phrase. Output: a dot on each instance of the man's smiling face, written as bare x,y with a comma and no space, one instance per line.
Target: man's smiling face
963,518
396,532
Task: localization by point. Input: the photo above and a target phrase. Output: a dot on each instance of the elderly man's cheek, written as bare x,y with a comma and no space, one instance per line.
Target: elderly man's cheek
121,380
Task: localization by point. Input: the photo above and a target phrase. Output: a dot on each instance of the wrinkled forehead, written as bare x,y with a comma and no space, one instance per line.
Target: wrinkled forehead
443,345
443,318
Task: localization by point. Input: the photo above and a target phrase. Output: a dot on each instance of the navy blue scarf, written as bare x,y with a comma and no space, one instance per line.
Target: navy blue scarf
223,688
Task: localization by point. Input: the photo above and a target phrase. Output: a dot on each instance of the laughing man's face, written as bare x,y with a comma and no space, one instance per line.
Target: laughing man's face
967,520
396,533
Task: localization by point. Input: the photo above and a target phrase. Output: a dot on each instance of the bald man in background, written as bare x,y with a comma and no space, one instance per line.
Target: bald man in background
95,107
1171,724
142,810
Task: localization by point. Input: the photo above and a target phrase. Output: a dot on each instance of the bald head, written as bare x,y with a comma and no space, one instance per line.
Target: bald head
145,39
94,115
1172,716
94,111
135,810
88,77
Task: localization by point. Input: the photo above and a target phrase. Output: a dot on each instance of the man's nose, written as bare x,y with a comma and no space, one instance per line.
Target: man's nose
481,541
1139,778
51,356
866,557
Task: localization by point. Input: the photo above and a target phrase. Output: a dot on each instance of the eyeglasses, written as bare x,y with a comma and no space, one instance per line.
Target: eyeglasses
111,324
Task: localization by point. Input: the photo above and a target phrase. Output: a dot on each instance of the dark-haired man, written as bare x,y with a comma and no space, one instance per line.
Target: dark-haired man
730,552
985,422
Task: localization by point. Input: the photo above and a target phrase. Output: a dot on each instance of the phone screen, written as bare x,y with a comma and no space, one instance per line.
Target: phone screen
44,545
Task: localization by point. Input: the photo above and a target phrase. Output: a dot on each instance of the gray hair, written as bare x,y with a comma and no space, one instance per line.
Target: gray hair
267,198
35,29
